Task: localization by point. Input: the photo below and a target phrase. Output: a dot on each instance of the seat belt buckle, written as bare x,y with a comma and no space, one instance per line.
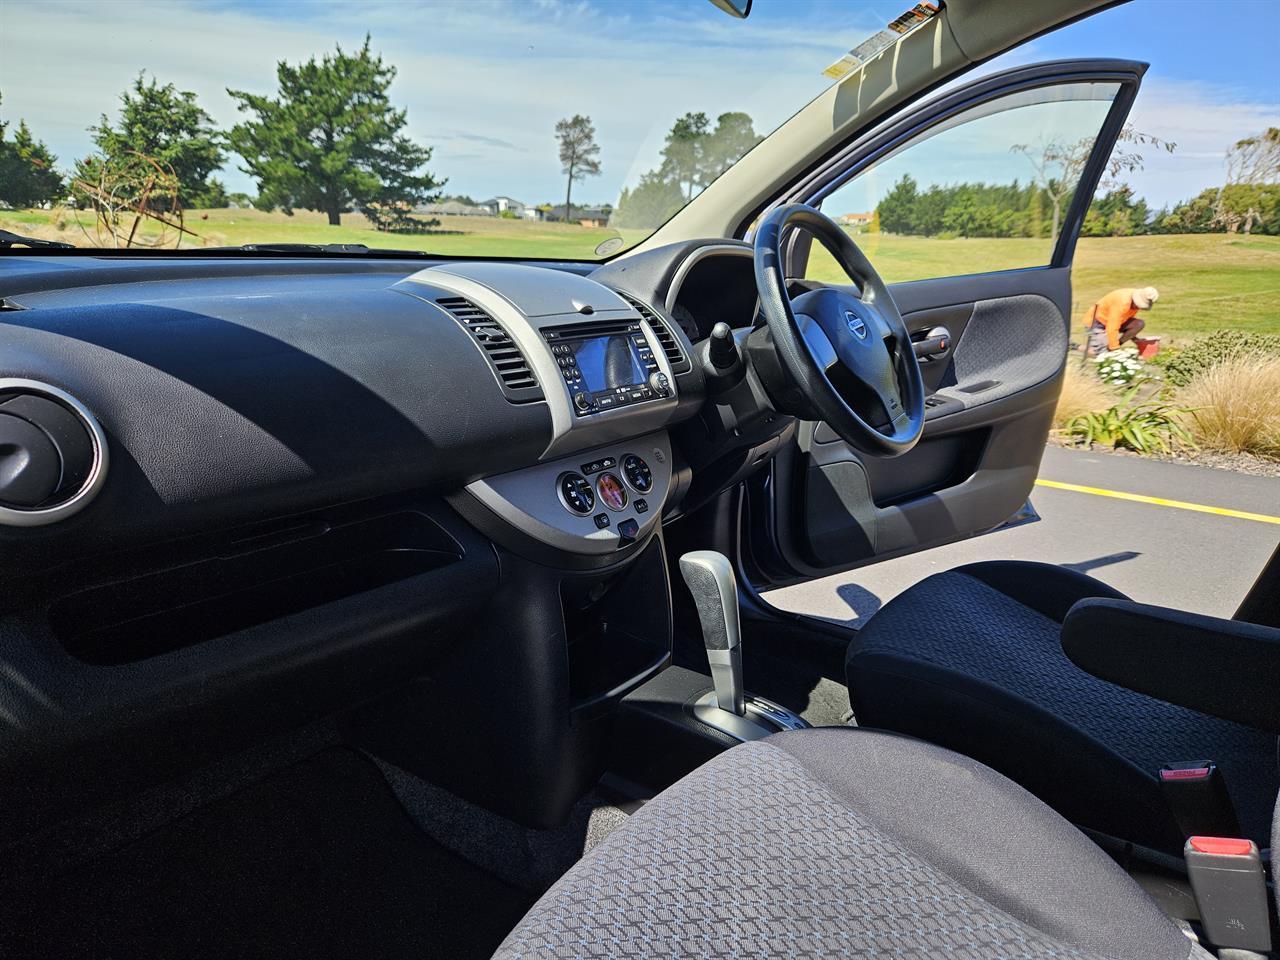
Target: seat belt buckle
1196,793
1231,891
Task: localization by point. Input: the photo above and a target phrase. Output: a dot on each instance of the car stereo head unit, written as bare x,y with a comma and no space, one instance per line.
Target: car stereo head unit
606,365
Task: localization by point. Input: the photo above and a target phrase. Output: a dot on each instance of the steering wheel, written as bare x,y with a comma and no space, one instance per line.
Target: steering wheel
850,356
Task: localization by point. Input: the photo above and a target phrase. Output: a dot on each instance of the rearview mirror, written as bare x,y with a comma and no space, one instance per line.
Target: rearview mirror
735,8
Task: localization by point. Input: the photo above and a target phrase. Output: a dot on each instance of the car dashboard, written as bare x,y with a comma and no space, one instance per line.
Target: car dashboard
283,485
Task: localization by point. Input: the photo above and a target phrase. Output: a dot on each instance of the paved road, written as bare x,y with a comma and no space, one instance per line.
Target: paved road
1156,554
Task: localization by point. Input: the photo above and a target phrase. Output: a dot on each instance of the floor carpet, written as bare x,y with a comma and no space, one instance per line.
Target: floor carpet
319,861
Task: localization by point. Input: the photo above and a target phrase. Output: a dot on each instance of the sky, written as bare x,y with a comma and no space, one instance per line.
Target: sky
484,81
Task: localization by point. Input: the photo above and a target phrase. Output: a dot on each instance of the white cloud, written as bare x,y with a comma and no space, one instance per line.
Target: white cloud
1204,122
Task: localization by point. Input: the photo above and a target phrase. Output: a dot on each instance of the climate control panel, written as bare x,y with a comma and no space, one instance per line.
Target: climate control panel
592,503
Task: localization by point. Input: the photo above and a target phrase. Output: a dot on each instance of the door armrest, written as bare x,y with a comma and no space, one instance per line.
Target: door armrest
1224,668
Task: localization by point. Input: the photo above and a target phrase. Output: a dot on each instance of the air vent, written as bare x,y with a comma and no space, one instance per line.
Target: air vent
670,342
509,365
53,454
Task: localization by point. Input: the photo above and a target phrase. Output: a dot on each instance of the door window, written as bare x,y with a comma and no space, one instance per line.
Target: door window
986,189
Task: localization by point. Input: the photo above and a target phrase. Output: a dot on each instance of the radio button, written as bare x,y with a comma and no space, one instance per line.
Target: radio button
582,402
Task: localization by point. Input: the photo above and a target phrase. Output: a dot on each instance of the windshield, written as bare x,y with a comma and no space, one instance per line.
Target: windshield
533,129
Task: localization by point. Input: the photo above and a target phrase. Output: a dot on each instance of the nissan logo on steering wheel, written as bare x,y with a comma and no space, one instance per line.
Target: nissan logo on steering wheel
856,324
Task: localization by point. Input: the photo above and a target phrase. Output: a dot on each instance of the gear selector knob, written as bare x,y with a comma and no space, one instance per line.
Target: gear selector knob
710,578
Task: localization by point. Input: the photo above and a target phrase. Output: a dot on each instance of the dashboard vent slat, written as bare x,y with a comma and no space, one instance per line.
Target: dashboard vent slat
670,342
508,364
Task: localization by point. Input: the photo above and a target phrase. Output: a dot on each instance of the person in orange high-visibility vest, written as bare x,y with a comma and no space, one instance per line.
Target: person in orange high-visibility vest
1114,321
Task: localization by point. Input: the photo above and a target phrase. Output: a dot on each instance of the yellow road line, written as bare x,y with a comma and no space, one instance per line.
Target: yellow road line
1159,501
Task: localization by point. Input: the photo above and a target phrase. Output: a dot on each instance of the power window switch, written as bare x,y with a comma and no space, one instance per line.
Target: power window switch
1231,891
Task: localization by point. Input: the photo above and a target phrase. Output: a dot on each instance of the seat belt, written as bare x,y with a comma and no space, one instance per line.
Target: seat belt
1231,891
1196,793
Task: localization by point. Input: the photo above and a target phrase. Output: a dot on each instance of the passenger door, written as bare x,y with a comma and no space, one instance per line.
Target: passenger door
969,206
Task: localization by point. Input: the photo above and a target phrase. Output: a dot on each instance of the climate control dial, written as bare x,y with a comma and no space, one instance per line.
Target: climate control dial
638,474
575,493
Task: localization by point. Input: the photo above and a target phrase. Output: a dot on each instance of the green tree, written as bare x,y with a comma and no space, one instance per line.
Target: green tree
897,208
331,140
652,202
579,154
684,158
1252,164
1117,213
732,137
165,124
963,215
27,174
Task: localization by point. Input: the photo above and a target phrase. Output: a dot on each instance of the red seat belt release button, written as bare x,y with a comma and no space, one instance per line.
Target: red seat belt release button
1231,891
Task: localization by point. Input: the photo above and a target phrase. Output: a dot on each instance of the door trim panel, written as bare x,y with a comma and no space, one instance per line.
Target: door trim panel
826,517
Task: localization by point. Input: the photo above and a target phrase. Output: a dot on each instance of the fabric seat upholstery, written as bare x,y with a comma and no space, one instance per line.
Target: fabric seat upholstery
971,659
846,843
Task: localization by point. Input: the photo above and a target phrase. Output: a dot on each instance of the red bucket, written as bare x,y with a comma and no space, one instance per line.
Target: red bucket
1148,347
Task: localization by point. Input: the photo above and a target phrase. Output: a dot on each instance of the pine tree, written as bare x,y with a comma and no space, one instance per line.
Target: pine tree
28,177
331,140
579,154
166,125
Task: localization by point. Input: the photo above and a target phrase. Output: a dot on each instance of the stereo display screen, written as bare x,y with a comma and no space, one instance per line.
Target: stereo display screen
609,362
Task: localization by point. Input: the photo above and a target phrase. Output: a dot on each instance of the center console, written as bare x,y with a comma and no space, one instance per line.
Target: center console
594,503
606,368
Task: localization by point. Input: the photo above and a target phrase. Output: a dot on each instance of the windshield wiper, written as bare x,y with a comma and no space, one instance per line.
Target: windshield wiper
342,248
9,239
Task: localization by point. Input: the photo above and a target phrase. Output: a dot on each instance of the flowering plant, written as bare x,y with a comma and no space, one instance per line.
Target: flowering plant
1119,366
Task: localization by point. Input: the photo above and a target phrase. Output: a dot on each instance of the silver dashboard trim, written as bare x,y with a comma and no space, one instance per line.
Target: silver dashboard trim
519,329
568,431
14,517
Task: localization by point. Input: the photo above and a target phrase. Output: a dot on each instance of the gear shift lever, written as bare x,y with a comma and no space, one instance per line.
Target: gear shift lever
715,593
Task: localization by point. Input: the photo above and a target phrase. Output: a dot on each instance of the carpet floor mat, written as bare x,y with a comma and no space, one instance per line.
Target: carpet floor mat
318,861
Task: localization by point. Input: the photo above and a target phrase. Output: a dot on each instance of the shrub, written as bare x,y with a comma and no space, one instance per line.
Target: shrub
1144,427
1082,392
1205,353
1235,406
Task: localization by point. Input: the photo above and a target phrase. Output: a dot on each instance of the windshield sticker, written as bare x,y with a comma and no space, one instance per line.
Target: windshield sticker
897,28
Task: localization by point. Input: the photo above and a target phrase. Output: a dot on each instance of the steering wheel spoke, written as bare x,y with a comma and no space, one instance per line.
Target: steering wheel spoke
843,350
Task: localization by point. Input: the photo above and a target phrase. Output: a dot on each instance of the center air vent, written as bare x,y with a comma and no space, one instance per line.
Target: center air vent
505,359
670,342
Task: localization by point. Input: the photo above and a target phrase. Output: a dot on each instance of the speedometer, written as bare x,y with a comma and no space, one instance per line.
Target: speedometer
688,323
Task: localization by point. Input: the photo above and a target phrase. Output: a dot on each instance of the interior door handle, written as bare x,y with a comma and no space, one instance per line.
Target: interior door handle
932,344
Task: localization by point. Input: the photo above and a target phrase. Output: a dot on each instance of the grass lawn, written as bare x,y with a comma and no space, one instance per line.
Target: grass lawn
1206,281
456,236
